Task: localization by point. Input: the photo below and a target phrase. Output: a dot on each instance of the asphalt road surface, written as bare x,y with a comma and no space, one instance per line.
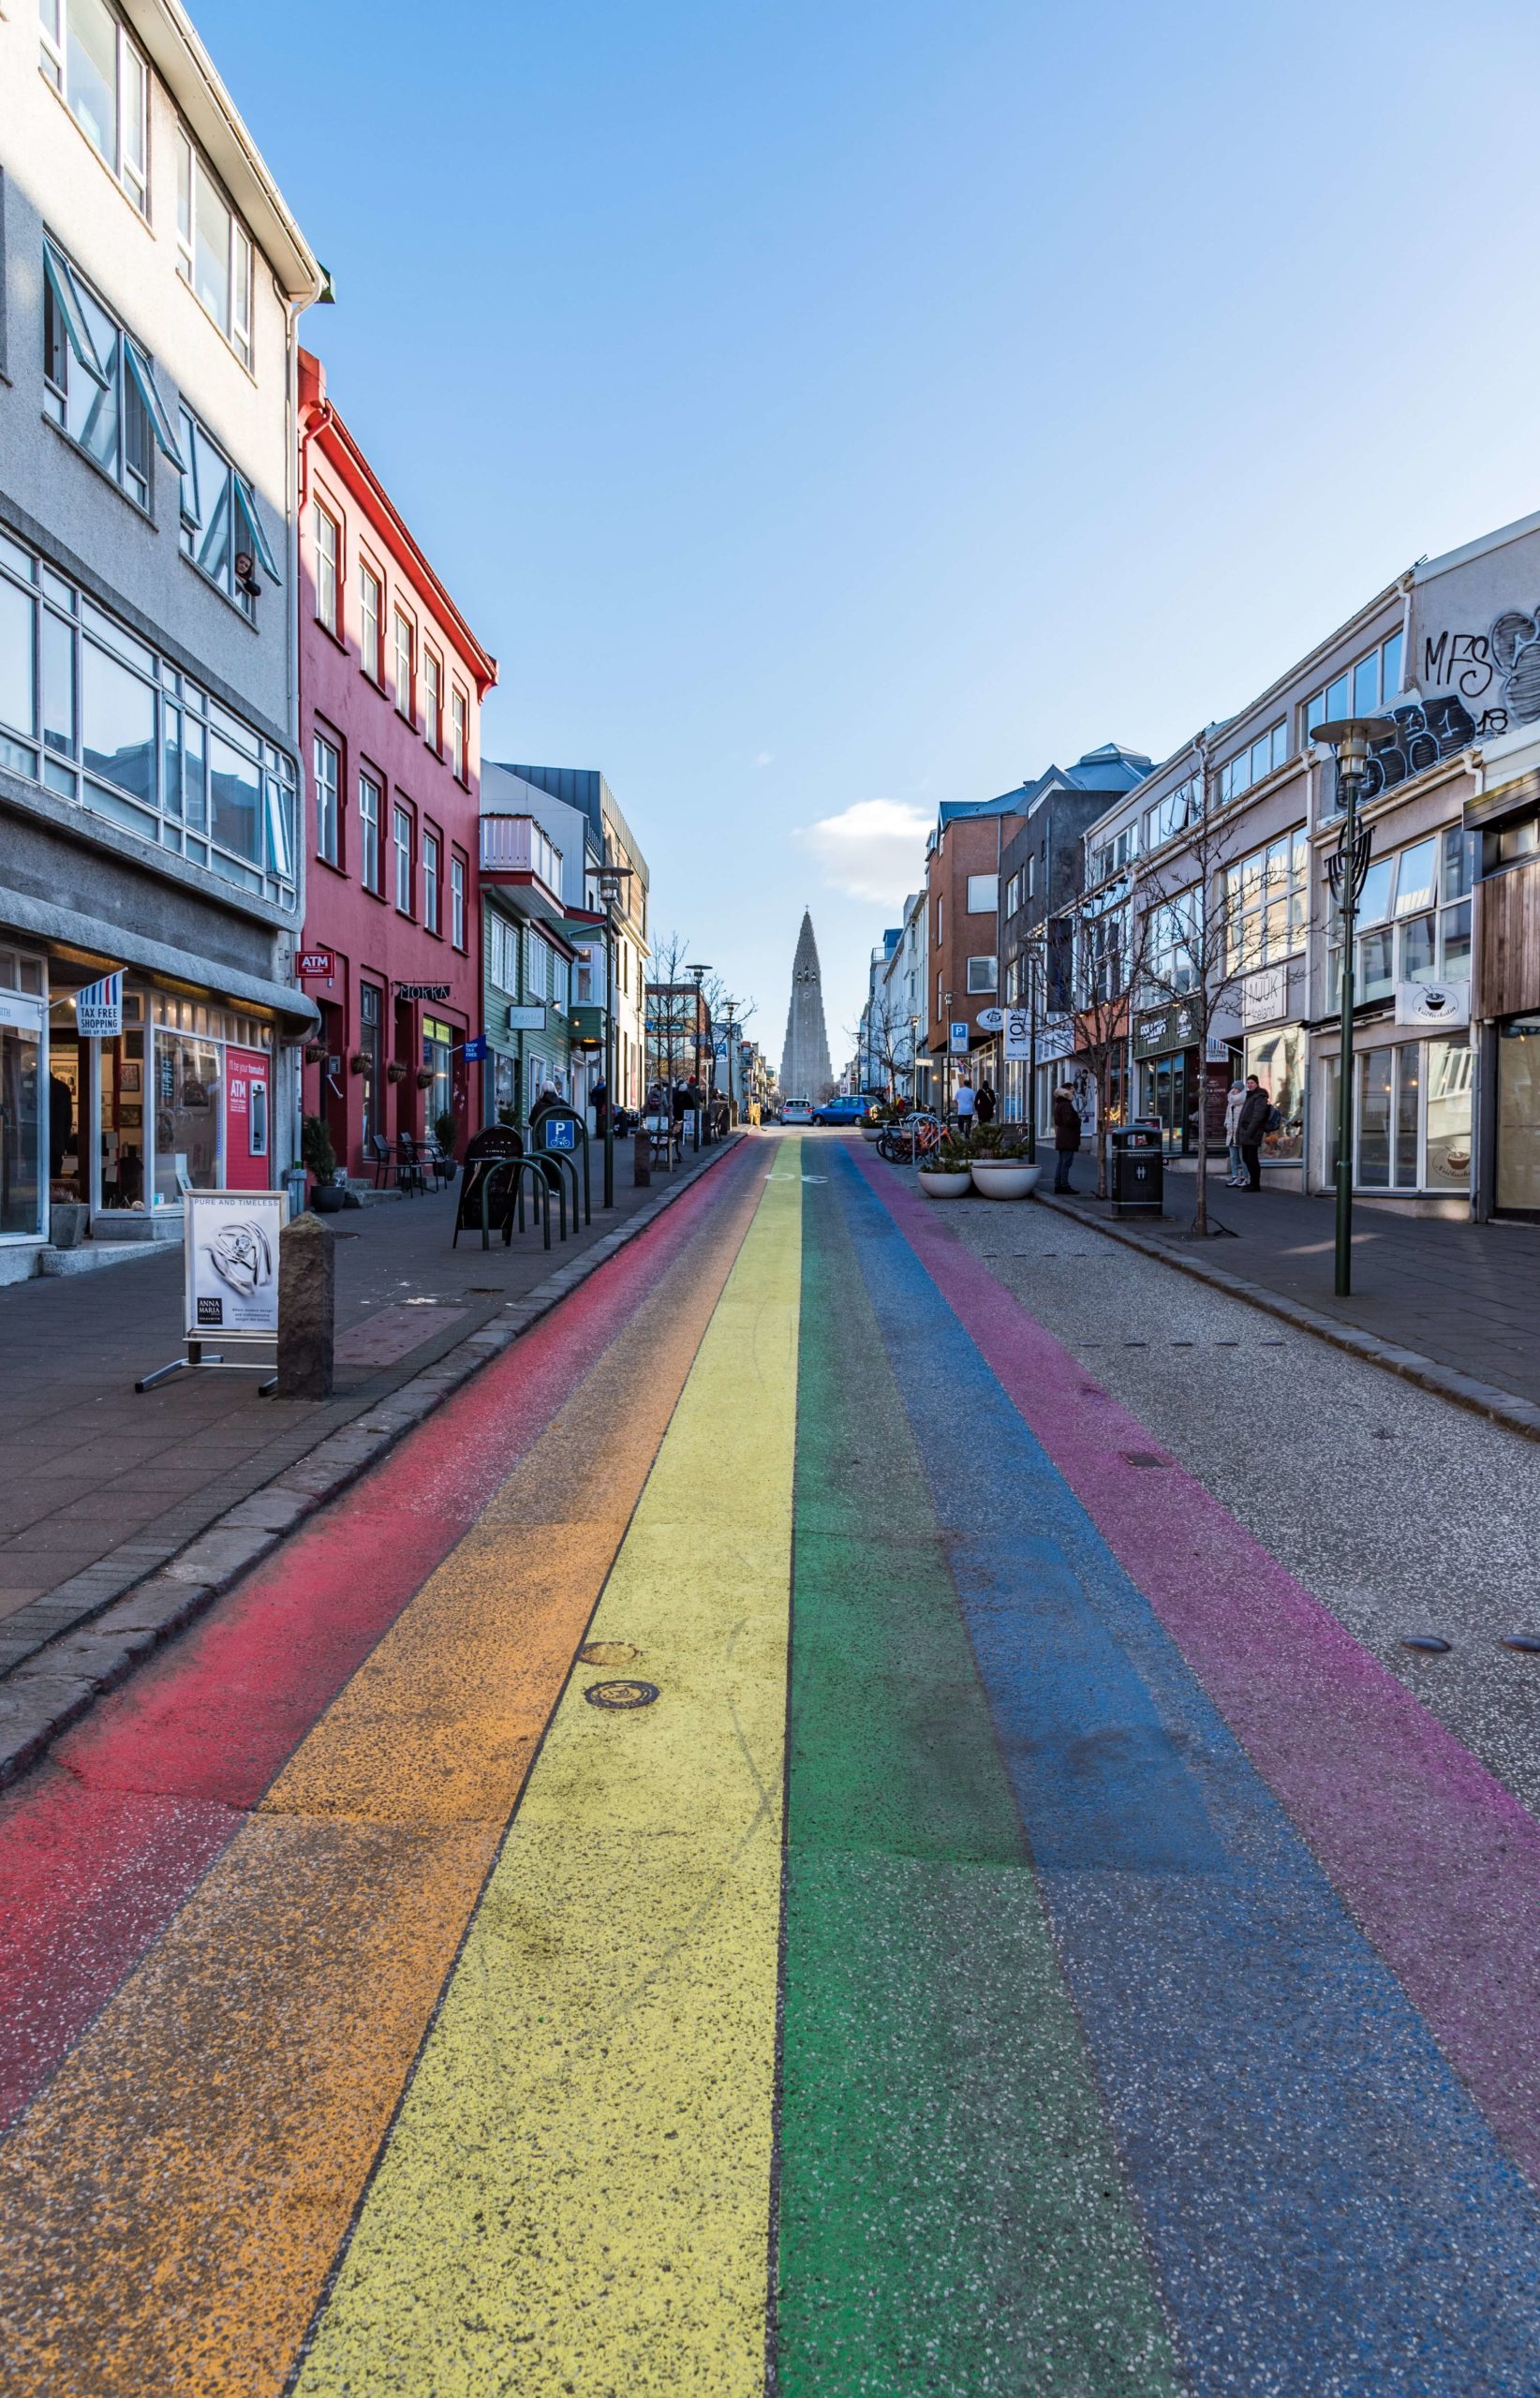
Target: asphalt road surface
852,1816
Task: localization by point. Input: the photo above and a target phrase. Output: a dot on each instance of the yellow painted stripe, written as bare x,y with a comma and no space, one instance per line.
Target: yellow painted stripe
575,2196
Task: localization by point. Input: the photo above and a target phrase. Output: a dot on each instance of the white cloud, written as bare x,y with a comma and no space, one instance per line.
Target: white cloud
874,849
764,757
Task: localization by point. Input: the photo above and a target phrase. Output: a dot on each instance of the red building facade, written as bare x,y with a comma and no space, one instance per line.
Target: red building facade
391,680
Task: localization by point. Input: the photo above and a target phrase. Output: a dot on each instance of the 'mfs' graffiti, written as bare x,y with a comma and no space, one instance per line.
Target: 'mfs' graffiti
1500,667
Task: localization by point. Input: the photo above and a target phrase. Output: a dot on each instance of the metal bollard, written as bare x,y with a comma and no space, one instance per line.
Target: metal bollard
642,1162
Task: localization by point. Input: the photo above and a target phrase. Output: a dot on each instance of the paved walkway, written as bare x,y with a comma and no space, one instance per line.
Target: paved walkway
100,1487
837,1808
1465,1294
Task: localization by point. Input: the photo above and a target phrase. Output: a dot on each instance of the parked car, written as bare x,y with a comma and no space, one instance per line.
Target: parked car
850,1107
796,1111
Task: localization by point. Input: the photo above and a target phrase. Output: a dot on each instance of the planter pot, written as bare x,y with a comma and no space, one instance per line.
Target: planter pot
872,1132
1004,1178
954,1183
329,1199
66,1222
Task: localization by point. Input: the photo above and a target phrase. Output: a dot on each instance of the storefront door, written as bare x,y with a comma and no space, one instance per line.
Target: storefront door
23,1188
1518,1117
1170,1093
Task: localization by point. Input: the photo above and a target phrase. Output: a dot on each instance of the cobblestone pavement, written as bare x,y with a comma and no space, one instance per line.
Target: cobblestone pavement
1466,1294
851,1815
90,1472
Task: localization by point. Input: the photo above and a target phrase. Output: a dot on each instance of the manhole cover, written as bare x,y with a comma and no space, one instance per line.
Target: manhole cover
621,1695
609,1652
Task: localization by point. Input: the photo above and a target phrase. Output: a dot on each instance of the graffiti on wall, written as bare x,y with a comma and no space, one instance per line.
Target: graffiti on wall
1495,675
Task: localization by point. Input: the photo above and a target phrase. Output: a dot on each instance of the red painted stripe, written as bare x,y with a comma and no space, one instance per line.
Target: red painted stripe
101,1845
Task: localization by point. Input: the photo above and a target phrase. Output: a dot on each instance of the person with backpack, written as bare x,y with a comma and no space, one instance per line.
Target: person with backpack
984,1103
1066,1137
1251,1126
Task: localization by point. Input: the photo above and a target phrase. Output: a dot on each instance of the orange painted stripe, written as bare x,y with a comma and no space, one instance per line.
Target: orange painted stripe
174,2198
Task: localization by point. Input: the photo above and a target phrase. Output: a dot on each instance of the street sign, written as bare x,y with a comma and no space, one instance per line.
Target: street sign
422,990
558,1132
525,1020
958,1043
99,1009
315,964
475,1047
229,1262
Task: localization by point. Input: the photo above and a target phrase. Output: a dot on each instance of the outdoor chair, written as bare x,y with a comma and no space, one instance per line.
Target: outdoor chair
381,1159
409,1171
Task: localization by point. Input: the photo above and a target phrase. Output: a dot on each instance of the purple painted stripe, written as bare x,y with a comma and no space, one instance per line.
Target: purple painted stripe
1439,1863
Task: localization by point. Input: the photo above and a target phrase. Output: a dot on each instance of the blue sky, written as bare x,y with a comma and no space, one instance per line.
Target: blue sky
819,406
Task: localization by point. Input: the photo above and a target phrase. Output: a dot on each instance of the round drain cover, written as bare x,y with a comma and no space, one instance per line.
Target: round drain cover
621,1694
609,1652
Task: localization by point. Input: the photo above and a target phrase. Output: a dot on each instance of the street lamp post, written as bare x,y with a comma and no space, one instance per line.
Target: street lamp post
730,1009
611,881
699,973
1349,738
946,1059
915,1061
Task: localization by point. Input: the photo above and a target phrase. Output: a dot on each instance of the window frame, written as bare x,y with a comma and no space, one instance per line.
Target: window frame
433,698
1315,709
976,986
133,178
370,579
459,734
402,622
431,860
330,816
141,424
405,854
459,918
370,831
321,514
247,533
239,249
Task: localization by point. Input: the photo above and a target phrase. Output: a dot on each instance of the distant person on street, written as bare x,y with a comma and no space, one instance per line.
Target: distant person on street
1066,1138
599,1100
966,1103
1251,1125
1235,1100
543,1105
983,1105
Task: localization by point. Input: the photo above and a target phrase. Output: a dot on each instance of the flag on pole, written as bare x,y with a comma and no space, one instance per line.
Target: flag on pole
99,1009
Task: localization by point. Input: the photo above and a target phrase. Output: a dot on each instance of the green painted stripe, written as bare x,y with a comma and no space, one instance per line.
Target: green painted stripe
952,2213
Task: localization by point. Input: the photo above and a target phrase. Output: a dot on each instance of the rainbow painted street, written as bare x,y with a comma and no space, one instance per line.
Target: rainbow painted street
789,1838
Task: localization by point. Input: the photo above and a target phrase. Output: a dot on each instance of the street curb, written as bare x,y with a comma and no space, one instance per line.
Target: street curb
1520,1416
95,1651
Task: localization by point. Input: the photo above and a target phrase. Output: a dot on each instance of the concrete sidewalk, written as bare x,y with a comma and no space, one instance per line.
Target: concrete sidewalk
100,1487
1464,1296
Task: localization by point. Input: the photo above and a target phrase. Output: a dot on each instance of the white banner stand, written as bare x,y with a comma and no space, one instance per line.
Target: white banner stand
230,1282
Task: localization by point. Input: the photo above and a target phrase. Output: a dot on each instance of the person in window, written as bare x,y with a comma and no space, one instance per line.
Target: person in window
1251,1127
1066,1138
983,1104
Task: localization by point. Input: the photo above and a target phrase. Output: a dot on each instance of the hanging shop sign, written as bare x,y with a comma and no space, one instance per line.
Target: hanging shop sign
318,965
229,1262
525,1020
1264,996
1433,1003
991,1019
1018,1028
422,990
1159,1030
475,1048
99,1009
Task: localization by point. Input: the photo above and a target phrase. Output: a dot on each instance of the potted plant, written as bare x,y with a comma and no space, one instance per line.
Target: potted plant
358,1062
446,1128
314,1052
947,1173
320,1159
424,1078
396,1071
1000,1167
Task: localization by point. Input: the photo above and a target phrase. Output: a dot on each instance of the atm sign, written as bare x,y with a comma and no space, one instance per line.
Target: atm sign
315,962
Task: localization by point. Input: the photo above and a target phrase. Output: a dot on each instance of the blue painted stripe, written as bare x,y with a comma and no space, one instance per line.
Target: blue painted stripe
1329,2209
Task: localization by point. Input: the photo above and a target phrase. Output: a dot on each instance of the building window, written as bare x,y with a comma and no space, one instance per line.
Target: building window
1248,766
221,522
371,801
96,715
1414,920
1013,894
939,920
371,599
99,386
1266,903
1370,683
457,902
214,253
1176,943
1111,855
405,642
327,565
433,700
431,870
458,712
404,861
1173,814
370,1010
91,63
328,768
983,894
981,974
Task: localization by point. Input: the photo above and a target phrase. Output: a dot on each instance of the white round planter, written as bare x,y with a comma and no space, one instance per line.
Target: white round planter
872,1132
946,1186
1005,1178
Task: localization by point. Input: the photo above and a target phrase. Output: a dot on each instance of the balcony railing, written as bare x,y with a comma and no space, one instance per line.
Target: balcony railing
517,845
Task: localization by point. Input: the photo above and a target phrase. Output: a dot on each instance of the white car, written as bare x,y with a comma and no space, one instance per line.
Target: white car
796,1111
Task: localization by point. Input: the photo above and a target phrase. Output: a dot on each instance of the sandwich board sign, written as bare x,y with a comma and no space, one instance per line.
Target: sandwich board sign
230,1260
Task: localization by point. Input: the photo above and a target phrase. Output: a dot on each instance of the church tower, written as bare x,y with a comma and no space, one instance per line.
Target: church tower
804,1071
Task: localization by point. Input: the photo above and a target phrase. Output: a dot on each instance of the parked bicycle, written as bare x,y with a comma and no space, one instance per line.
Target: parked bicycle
906,1142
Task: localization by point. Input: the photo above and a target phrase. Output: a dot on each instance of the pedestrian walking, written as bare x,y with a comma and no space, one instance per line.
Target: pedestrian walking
966,1103
1251,1125
1235,1100
983,1104
1066,1138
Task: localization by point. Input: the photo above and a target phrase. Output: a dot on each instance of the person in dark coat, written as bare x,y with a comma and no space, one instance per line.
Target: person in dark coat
1066,1138
984,1102
1251,1127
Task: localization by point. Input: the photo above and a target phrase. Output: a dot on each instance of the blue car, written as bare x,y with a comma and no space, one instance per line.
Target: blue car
854,1108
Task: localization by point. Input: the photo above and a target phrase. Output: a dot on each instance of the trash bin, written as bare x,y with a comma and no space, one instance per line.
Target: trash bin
1138,1168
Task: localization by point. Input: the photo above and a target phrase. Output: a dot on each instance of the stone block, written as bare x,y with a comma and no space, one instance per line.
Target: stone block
306,1309
159,1607
218,1557
268,1510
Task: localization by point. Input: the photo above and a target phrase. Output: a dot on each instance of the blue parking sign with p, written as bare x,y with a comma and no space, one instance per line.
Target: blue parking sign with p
560,1132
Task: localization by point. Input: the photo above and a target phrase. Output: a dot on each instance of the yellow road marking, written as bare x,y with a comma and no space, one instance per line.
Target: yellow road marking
575,2195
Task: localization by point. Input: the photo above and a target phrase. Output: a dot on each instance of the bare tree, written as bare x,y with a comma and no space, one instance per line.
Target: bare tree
1108,931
